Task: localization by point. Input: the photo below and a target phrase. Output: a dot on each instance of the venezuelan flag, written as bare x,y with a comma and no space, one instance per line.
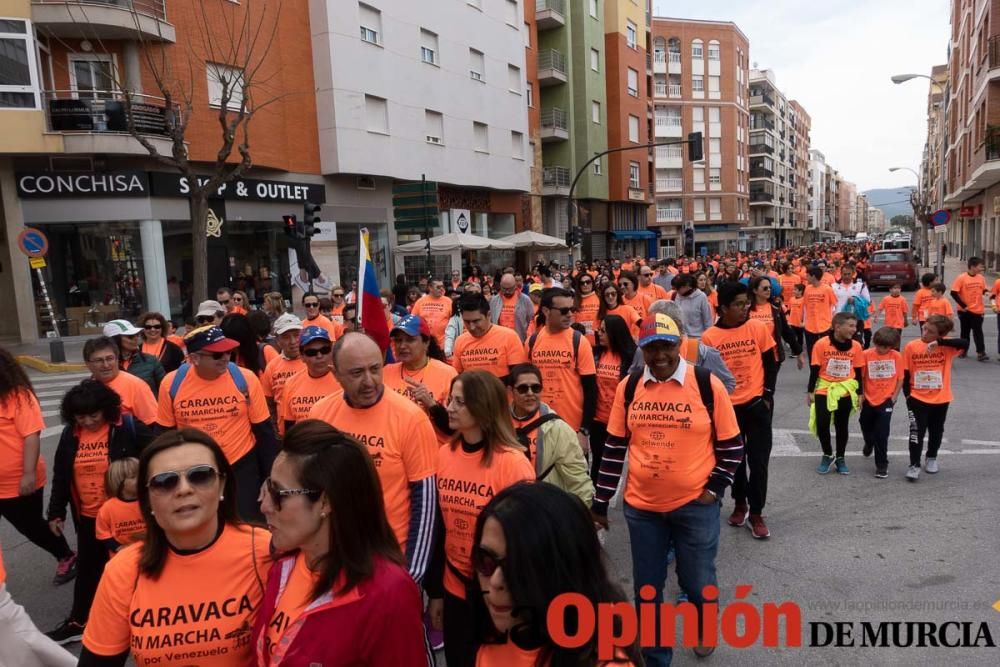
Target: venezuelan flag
371,315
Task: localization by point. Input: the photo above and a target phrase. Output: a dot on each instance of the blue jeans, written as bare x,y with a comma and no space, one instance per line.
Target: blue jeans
693,530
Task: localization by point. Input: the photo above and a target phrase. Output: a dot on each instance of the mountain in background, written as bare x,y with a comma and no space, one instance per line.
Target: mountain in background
892,201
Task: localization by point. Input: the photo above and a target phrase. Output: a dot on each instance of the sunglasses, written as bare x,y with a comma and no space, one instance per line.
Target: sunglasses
586,282
204,319
198,477
311,305
237,299
216,356
339,295
525,388
153,327
565,311
277,495
317,351
486,563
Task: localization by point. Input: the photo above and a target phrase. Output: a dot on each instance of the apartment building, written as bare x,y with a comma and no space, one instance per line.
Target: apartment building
817,192
847,211
875,222
799,127
531,201
934,148
700,84
117,221
972,132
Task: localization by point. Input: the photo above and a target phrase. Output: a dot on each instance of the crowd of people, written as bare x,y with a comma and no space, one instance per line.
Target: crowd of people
323,500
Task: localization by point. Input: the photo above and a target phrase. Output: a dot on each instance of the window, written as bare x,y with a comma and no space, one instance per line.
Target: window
595,60
597,167
434,124
713,114
477,63
527,35
19,80
697,83
371,24
699,209
93,76
530,94
517,145
715,146
514,79
698,114
715,208
376,114
696,49
224,81
595,111
713,84
633,82
633,175
713,50
428,47
630,34
699,176
633,129
715,175
481,137
593,8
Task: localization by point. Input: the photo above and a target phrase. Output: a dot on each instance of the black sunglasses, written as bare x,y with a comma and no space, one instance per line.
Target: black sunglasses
565,311
486,563
586,282
277,495
199,477
341,295
204,319
317,351
525,388
312,305
150,327
217,356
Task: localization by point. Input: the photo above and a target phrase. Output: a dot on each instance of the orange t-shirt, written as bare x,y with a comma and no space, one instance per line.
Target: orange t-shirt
628,314
3,572
882,373
154,350
496,351
930,371
198,611
671,451
277,373
20,416
817,308
652,292
763,314
561,372
795,310
436,312
333,329
788,283
436,376
919,297
137,397
836,365
713,301
400,440
609,368
590,305
296,596
302,392
465,485
995,294
640,303
507,310
829,279
741,348
971,289
936,306
89,466
121,521
270,353
894,309
216,407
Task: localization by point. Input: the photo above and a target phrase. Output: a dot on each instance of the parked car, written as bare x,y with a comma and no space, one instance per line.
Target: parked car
891,267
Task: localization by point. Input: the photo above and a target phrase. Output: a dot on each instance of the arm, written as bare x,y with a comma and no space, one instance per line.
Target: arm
569,461
423,503
59,495
433,581
958,343
771,368
728,455
706,314
813,378
787,334
615,451
439,418
32,448
958,300
589,383
267,445
88,659
859,376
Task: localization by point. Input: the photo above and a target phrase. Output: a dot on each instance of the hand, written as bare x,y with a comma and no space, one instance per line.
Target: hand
707,498
584,441
800,361
27,485
931,346
56,526
421,394
600,520
435,609
809,398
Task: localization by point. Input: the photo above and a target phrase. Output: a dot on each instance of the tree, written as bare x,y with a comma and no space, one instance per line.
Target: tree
902,222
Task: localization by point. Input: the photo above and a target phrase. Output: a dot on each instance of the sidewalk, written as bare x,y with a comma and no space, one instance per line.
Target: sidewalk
38,355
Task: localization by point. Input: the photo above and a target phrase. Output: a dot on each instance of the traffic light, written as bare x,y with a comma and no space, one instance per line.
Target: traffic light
696,148
310,218
290,225
569,237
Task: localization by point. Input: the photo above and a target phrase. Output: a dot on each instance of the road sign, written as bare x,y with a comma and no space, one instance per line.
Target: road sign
941,229
940,217
33,242
37,262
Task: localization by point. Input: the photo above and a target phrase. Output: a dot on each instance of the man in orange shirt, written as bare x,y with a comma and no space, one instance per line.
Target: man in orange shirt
995,304
747,347
101,356
967,291
648,288
435,309
287,328
316,382
315,318
511,307
399,437
483,345
818,305
883,380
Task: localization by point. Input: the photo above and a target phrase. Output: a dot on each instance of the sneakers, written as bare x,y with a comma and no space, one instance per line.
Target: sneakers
931,466
739,515
65,570
881,473
913,473
758,529
842,466
67,632
824,464
983,356
868,449
434,637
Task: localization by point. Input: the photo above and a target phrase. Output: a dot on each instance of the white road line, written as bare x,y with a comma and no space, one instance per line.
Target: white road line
983,443
900,438
783,443
51,431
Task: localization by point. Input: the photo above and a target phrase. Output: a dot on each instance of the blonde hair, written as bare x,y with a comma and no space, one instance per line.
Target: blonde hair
118,472
276,302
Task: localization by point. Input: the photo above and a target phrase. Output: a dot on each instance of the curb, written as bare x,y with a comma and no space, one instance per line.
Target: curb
48,367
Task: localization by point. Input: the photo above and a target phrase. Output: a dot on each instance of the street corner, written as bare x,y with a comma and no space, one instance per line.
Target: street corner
39,364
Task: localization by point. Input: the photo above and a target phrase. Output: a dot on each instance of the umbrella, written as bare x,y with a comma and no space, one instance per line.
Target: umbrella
529,240
454,241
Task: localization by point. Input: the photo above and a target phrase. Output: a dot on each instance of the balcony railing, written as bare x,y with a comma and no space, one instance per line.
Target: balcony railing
994,51
761,148
761,172
669,152
550,14
756,100
106,111
761,123
761,196
660,89
552,59
556,177
554,118
669,184
674,90
154,8
659,57
992,143
669,215
674,57
668,121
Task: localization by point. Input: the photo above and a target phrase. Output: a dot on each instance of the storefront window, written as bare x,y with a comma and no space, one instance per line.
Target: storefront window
349,243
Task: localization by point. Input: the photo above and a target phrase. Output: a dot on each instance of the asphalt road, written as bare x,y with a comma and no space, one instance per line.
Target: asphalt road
846,549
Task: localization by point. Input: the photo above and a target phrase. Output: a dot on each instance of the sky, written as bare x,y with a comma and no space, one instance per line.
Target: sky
836,58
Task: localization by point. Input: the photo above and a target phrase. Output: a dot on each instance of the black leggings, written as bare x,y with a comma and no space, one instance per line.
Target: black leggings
972,323
25,514
248,482
93,556
925,418
459,632
841,420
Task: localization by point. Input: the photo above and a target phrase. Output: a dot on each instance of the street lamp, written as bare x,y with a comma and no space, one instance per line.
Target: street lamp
903,78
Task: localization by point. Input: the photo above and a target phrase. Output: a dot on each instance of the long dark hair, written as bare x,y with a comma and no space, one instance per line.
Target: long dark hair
12,376
155,546
334,462
238,328
88,397
619,340
602,310
543,524
486,399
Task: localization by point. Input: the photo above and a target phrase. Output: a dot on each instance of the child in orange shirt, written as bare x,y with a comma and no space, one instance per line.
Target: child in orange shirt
883,379
921,296
794,314
893,309
937,304
120,521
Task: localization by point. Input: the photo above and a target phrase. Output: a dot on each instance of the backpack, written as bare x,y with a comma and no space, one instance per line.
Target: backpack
234,373
576,344
522,437
702,375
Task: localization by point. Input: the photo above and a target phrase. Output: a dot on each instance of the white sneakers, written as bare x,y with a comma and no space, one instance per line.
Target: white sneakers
913,473
931,465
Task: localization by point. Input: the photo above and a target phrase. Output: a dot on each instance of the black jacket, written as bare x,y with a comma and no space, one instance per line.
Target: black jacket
783,332
124,440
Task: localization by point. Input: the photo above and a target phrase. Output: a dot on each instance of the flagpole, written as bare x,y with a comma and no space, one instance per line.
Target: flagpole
362,261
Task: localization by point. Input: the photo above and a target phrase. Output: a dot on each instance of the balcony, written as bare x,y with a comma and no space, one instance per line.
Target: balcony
550,14
551,68
985,171
760,123
669,214
659,89
669,157
104,19
673,62
554,125
668,126
760,148
761,100
674,90
669,184
994,51
98,123
761,172
555,181
659,62
761,197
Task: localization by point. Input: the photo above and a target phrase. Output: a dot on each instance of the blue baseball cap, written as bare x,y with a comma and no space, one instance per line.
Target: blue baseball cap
309,334
412,325
209,339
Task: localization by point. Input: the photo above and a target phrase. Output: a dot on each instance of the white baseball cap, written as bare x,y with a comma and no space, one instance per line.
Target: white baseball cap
286,322
210,309
120,328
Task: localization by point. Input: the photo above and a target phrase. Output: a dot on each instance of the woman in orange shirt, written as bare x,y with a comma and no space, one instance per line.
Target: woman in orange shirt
155,343
523,528
421,373
484,458
612,358
630,296
611,305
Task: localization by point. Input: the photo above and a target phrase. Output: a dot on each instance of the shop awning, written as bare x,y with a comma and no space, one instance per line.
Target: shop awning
626,234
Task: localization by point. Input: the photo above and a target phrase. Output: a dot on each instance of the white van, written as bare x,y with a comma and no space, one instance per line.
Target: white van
862,236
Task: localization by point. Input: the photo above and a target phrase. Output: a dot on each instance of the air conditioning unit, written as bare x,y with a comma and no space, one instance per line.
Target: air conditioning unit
365,183
431,139
475,75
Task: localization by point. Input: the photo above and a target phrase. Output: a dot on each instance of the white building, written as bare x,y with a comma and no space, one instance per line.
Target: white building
817,190
406,90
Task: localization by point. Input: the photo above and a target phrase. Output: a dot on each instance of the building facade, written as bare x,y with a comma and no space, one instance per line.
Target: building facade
847,210
798,177
700,84
817,192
